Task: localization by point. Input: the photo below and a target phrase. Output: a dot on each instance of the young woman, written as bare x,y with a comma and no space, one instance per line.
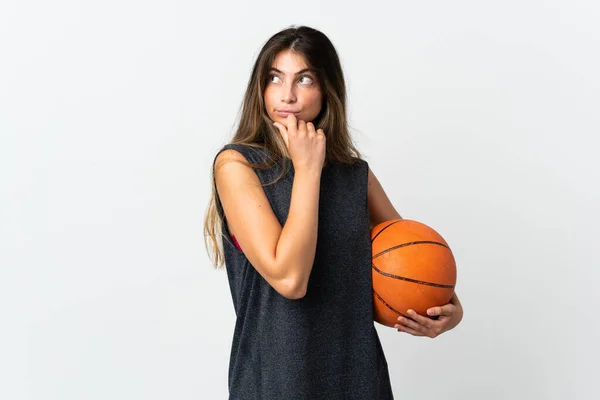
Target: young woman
295,202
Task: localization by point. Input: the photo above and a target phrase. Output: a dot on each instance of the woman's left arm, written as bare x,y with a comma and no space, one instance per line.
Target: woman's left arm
381,208
446,316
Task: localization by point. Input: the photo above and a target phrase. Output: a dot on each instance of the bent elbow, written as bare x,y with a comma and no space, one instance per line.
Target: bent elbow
296,295
293,290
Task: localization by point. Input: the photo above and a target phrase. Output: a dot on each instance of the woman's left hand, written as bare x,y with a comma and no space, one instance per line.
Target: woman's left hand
449,316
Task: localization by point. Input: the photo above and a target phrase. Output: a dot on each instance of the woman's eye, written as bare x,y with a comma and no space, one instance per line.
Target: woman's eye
271,77
308,79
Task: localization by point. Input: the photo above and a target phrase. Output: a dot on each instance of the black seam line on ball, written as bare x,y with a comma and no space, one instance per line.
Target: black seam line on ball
402,278
409,244
388,306
383,229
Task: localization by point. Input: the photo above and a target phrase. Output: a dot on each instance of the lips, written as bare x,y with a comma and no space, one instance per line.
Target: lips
284,113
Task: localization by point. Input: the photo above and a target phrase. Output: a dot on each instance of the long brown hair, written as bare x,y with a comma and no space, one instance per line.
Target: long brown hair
256,129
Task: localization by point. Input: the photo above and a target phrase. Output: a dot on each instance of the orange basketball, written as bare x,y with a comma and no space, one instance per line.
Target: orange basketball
413,268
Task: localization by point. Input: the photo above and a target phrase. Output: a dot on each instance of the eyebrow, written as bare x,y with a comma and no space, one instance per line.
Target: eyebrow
297,73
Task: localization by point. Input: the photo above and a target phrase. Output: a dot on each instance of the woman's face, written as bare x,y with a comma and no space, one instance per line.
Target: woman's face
292,88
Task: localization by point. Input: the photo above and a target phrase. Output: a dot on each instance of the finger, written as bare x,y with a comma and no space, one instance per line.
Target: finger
426,322
283,132
292,124
406,329
446,310
433,311
409,323
320,131
310,128
301,127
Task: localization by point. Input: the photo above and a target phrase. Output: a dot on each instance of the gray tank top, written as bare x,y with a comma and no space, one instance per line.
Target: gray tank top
324,345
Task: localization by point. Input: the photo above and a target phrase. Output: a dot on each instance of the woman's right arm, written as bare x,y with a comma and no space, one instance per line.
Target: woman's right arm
283,256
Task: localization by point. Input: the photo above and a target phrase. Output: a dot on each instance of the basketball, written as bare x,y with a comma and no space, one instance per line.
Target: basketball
413,268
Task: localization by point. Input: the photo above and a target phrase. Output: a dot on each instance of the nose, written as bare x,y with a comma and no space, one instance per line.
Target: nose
287,93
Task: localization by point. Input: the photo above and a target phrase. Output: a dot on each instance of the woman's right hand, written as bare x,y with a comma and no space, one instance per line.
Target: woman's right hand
305,144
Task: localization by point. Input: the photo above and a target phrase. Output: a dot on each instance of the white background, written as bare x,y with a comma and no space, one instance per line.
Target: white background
480,119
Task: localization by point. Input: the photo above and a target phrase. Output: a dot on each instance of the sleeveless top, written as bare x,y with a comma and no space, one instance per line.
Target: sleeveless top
324,345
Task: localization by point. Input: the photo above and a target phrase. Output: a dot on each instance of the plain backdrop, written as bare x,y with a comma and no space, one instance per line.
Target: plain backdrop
481,119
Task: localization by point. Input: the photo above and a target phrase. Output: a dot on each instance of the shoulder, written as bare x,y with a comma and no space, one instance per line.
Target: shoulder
245,162
233,173
380,206
245,153
225,155
231,162
371,175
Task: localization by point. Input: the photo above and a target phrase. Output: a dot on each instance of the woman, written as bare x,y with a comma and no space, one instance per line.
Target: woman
295,202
